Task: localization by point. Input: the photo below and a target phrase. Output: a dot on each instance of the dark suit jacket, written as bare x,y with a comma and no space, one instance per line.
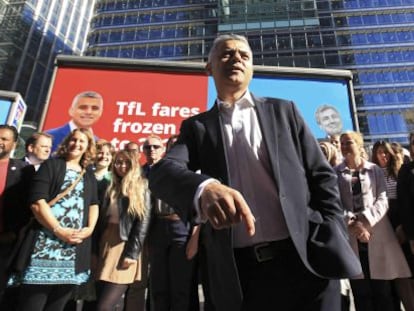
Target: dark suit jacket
59,134
405,195
305,181
15,205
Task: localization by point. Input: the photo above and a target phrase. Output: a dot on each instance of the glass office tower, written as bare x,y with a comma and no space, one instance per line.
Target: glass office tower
373,38
32,32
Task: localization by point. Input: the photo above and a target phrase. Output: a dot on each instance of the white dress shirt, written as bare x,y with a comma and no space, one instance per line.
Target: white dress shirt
250,172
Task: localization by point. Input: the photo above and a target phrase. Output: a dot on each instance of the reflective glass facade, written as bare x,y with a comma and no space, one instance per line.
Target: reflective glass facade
32,32
373,38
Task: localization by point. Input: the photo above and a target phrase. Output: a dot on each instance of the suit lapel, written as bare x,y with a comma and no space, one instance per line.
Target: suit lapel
216,150
270,133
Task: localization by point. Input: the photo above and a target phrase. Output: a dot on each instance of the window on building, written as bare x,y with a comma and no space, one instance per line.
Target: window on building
196,49
118,20
332,59
358,38
299,41
142,34
328,40
112,52
157,17
355,20
153,51
314,40
115,36
181,50
155,33
269,43
374,37
283,42
389,37
144,18
129,35
140,52
167,51
126,52
398,18
316,60
384,19
369,19
131,19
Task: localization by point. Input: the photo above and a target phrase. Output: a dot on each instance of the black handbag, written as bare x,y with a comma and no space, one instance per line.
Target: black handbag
20,255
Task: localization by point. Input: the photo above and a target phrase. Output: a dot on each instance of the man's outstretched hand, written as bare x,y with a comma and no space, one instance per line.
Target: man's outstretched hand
224,206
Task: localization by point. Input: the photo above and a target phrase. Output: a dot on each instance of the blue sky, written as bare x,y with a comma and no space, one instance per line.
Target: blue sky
308,94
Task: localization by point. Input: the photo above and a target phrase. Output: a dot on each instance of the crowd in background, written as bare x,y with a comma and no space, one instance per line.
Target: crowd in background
375,185
136,233
77,260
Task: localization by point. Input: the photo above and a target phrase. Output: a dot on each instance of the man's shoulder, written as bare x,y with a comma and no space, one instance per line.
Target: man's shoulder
281,102
64,128
17,163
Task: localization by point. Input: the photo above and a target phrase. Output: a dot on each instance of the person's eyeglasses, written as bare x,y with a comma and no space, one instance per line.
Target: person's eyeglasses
121,163
149,147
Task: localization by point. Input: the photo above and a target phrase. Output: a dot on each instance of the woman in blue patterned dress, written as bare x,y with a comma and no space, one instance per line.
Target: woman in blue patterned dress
62,252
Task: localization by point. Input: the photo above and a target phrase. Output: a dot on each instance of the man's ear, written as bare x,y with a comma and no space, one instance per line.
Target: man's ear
208,69
30,148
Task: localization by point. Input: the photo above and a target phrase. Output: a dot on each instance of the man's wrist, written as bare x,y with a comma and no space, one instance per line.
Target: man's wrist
199,217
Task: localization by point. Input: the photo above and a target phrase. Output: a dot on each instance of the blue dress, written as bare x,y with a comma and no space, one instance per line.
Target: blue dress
53,261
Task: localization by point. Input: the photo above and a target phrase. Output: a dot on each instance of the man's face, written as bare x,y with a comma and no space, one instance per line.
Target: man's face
335,140
7,144
330,121
153,150
231,66
86,112
41,149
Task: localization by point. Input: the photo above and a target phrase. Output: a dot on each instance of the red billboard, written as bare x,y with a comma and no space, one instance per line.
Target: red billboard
136,103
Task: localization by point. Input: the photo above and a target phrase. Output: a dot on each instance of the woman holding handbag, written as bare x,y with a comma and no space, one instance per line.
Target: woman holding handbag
121,230
64,202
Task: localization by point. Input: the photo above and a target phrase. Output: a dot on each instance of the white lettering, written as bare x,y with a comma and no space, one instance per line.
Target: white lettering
121,126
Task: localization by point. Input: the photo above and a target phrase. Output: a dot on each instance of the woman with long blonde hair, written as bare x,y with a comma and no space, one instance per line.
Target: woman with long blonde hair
122,228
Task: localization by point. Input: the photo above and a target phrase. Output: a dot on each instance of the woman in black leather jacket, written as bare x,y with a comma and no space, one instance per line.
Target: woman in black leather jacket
122,228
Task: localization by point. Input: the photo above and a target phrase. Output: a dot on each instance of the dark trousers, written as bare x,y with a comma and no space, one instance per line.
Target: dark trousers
44,297
371,295
172,274
283,282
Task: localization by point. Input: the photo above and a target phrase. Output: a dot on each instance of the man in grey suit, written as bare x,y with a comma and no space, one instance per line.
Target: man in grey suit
274,236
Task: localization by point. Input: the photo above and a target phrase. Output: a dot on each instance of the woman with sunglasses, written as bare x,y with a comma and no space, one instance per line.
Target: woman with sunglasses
121,231
363,194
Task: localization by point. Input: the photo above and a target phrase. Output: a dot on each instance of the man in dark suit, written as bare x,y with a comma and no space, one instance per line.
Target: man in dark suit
12,198
275,236
85,111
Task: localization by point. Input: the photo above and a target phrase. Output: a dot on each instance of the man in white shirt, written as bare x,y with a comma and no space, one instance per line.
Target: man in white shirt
275,233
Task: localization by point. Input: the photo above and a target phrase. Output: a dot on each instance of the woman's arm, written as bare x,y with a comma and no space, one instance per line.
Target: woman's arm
86,232
43,214
372,215
192,245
